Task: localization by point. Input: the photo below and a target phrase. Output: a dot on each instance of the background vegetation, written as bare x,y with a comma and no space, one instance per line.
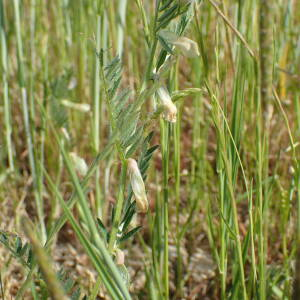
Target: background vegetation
86,85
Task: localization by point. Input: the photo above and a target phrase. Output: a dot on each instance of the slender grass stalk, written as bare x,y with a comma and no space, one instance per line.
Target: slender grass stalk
113,281
25,108
53,285
266,70
32,59
63,219
236,32
121,25
260,207
165,128
145,22
97,116
253,277
228,172
177,152
7,105
119,206
88,218
225,209
228,39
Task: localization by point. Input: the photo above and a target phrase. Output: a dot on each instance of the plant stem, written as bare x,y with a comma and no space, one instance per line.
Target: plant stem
38,197
119,206
7,109
165,127
97,119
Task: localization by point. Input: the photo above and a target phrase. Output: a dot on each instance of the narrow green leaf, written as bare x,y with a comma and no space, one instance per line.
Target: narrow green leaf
129,234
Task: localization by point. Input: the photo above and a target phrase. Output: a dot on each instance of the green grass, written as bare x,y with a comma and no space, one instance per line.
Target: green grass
222,180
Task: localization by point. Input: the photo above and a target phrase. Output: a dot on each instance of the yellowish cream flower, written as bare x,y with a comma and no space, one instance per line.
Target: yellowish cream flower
170,109
188,47
138,186
79,163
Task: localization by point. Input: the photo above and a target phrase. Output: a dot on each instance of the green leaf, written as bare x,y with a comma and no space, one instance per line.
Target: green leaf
165,45
129,234
166,5
168,14
128,215
24,249
134,137
30,257
102,229
75,295
133,148
18,245
161,58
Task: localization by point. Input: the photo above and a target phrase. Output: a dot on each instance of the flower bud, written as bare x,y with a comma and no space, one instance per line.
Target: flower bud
79,163
170,109
137,185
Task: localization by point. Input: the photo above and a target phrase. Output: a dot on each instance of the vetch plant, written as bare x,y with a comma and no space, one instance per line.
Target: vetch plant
192,169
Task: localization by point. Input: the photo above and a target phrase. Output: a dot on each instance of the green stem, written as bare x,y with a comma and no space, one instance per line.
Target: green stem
165,127
7,110
119,206
97,119
38,198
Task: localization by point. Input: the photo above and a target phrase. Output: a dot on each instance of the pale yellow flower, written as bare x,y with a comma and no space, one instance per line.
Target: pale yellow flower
170,109
79,164
187,47
137,185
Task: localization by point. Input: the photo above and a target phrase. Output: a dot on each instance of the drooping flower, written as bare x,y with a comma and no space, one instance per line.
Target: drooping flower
79,163
186,46
170,109
137,185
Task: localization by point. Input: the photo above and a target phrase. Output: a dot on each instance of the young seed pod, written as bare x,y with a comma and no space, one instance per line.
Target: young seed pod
138,186
170,109
79,163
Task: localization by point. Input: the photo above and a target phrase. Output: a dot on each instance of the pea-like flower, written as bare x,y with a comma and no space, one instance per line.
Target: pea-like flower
186,46
137,185
170,109
79,163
